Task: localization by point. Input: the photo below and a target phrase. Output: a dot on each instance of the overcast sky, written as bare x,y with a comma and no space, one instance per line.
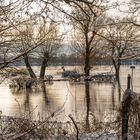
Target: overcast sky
123,7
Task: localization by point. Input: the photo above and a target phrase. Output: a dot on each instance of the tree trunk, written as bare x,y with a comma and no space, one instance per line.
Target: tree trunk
117,69
28,66
87,62
88,41
117,73
43,68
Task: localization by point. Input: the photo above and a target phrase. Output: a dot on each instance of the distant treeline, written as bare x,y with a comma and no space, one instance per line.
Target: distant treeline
71,60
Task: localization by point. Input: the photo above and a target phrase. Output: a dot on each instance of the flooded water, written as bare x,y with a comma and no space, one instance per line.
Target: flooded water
78,99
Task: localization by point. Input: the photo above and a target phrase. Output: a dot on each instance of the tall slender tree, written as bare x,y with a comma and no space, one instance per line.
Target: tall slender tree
86,23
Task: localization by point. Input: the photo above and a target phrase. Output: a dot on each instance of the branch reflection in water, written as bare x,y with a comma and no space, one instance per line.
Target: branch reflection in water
82,100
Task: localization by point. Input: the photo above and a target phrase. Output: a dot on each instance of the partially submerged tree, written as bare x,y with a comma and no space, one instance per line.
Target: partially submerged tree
28,40
10,18
50,46
86,23
44,38
122,42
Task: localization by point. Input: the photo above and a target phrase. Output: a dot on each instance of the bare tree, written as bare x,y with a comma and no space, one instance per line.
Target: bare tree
28,40
13,14
44,40
10,18
86,25
122,42
50,46
133,11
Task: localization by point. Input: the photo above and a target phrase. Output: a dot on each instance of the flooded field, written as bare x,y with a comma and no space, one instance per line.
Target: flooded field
79,99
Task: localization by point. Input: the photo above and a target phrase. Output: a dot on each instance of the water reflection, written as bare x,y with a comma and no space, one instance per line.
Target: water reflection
87,92
113,96
79,99
44,90
119,88
27,100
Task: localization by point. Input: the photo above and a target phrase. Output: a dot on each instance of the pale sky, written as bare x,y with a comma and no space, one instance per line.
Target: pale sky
123,7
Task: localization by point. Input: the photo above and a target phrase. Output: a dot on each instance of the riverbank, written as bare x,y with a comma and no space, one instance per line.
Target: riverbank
16,128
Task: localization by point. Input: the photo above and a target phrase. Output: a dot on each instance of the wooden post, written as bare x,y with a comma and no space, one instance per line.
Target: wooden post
125,109
128,81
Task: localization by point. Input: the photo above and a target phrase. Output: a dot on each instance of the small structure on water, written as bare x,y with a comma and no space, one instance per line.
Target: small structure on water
103,77
71,75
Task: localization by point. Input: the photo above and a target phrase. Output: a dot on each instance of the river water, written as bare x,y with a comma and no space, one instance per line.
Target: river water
64,98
